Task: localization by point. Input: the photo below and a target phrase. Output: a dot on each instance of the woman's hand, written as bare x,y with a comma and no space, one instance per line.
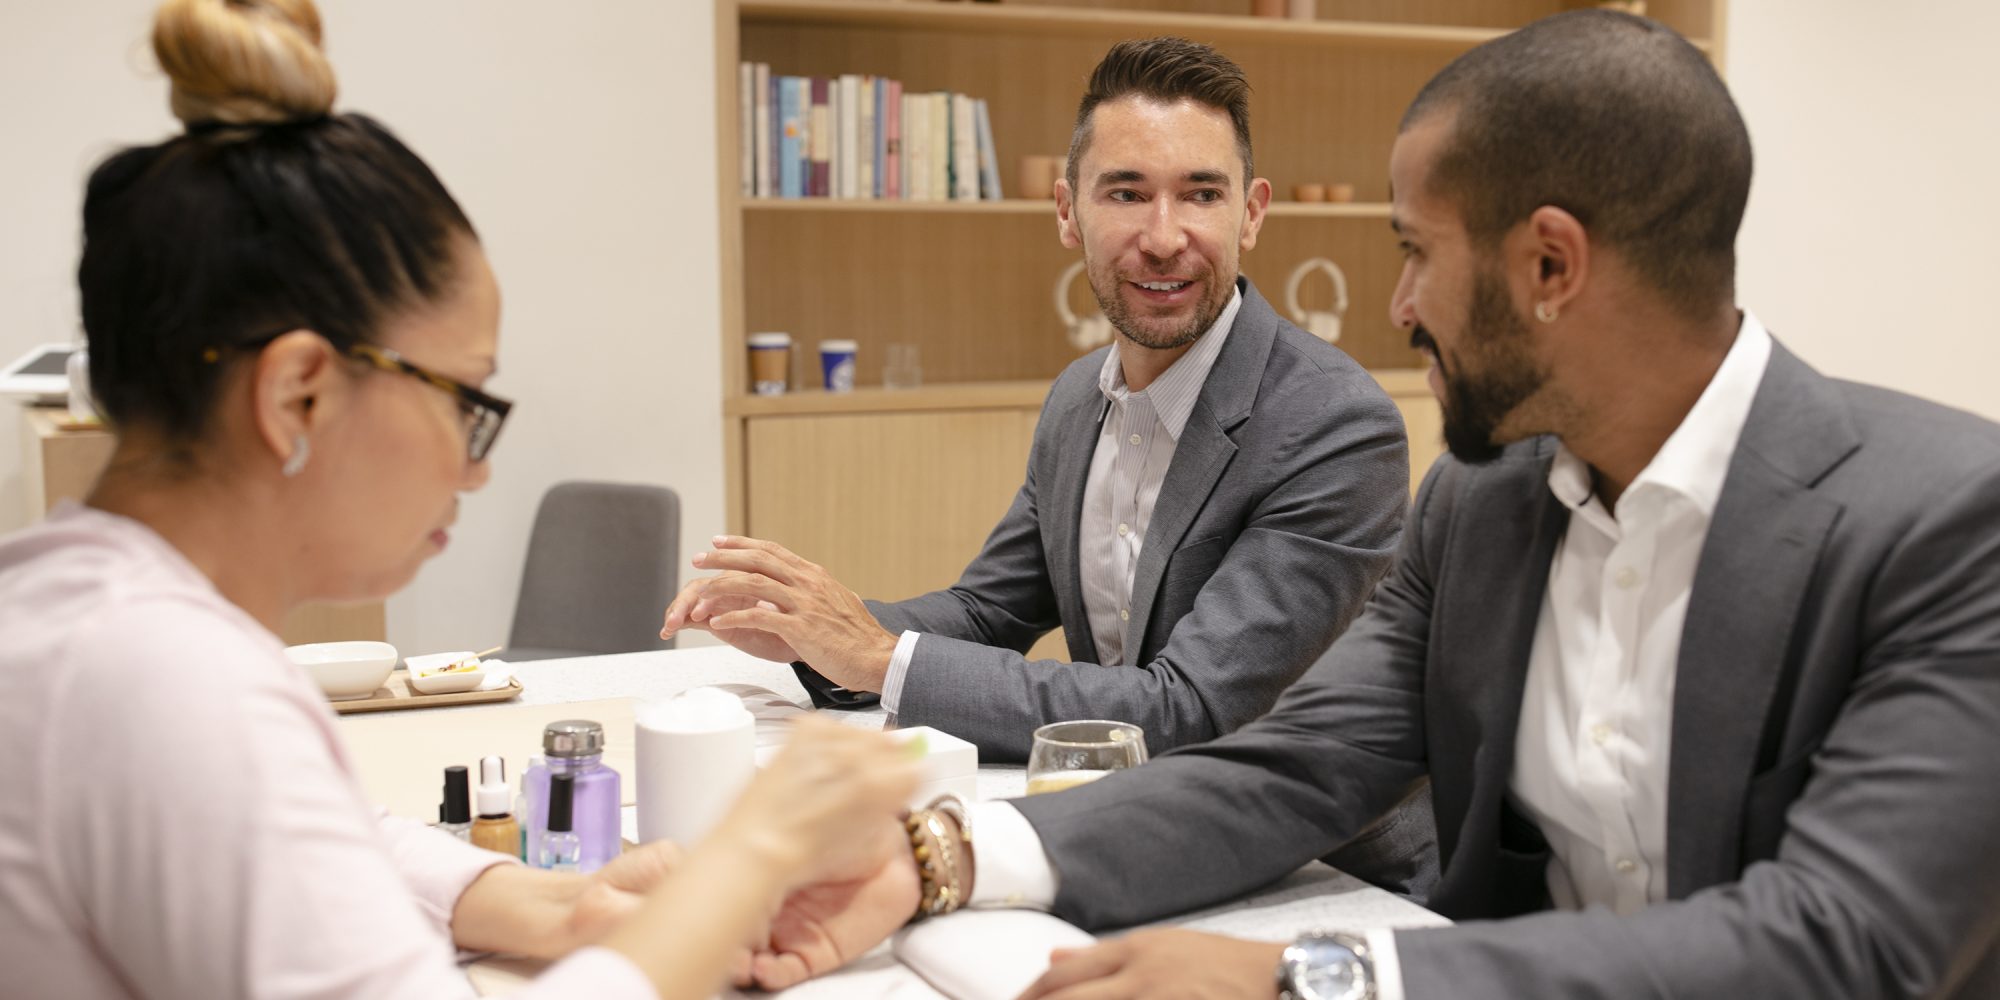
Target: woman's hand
542,914
610,894
819,809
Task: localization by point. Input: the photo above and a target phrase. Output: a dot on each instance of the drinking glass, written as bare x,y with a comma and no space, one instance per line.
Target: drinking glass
1068,754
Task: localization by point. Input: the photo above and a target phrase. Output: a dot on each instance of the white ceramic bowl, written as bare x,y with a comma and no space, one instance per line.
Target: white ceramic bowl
346,670
425,679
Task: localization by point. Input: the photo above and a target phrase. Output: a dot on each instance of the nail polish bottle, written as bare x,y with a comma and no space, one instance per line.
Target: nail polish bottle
495,829
576,747
455,813
560,846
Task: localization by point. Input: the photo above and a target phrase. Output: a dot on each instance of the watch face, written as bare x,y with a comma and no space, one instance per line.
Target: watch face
1337,981
1325,969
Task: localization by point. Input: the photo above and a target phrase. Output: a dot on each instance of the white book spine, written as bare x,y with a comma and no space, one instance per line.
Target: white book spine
940,146
762,145
746,128
864,146
850,136
916,178
964,150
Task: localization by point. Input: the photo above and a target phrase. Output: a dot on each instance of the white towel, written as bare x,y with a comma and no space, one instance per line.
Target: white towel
985,954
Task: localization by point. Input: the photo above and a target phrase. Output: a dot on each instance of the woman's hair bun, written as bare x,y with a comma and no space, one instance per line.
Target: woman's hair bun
243,62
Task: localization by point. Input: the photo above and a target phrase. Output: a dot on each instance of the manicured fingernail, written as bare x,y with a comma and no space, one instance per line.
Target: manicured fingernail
719,539
700,557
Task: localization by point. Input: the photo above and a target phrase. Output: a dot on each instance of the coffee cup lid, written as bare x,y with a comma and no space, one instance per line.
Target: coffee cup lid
769,339
839,346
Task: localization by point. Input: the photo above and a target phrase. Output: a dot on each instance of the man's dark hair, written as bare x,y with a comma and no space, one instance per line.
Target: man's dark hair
1614,119
1165,70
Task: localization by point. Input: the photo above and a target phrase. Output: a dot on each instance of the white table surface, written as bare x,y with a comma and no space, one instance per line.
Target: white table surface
1315,896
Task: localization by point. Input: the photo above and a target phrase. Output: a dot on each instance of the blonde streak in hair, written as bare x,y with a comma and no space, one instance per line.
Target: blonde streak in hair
243,62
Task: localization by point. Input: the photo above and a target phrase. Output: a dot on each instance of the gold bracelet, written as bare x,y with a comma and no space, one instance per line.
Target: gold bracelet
936,857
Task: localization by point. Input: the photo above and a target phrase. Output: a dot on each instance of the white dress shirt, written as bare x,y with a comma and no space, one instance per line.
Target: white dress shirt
1591,752
1137,434
1590,756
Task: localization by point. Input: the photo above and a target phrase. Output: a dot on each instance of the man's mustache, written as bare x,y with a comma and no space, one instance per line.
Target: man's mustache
1420,339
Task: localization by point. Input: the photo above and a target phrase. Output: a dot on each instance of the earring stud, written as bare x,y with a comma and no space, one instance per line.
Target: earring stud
1545,312
301,451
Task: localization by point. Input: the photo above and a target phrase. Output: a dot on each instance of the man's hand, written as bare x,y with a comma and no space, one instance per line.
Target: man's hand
766,600
694,606
1162,965
824,926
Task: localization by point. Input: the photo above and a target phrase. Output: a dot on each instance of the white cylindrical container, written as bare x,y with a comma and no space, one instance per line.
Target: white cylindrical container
696,752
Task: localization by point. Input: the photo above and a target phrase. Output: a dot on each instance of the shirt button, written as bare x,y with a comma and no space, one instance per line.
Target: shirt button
1627,866
1124,614
1627,577
1599,733
1124,529
1135,439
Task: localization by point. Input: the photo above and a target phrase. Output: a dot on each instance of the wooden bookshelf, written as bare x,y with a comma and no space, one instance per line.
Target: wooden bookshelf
895,489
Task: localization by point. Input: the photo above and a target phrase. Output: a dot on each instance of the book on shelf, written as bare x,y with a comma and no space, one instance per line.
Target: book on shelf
849,129
989,164
940,158
861,137
964,150
792,143
864,146
916,147
892,140
761,133
746,141
819,142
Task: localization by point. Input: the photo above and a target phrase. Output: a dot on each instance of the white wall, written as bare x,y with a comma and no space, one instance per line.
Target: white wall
580,139
1870,243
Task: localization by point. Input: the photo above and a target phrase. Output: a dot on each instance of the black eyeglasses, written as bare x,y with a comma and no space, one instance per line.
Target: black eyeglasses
484,413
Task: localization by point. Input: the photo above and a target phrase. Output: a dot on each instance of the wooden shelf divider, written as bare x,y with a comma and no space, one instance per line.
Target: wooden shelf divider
1033,206
1037,19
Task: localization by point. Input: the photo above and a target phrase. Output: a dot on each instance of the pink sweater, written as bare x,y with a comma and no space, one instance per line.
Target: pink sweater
178,817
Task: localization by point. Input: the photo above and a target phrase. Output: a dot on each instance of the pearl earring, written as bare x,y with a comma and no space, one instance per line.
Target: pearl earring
301,451
1545,312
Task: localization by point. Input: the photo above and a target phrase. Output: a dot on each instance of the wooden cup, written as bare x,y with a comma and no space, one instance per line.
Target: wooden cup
1308,192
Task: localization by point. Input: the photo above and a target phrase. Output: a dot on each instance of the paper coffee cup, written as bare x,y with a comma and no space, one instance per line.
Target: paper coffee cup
836,362
770,363
696,752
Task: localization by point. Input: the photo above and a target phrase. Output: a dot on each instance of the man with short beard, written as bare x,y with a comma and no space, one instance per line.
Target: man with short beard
1209,501
1698,649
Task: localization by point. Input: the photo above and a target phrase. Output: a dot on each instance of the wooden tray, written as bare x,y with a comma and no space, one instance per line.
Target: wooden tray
395,693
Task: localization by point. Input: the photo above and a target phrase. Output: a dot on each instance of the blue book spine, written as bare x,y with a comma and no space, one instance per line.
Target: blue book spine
791,145
989,158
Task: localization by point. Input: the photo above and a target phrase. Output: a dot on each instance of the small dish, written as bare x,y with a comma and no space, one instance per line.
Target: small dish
429,676
345,670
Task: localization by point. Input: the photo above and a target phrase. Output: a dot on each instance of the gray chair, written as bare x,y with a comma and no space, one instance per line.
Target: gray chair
603,564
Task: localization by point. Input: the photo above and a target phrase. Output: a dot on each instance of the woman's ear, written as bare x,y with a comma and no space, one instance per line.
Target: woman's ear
296,386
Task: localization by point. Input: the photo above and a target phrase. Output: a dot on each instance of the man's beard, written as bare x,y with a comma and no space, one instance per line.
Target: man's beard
1476,402
1206,309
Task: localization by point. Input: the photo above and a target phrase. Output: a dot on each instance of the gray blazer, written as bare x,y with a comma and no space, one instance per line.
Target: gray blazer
1832,804
1279,513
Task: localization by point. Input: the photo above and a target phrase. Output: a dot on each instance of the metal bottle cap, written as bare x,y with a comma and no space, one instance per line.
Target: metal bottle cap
573,738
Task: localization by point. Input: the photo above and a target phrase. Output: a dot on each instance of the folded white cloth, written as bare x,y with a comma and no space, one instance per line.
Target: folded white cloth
985,954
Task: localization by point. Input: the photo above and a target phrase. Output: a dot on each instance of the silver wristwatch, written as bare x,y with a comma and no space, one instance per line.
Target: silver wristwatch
1330,965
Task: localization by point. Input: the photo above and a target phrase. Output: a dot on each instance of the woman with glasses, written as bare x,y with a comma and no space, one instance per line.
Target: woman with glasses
290,321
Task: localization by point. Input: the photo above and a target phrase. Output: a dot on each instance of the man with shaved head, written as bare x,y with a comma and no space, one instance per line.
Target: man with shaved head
1698,648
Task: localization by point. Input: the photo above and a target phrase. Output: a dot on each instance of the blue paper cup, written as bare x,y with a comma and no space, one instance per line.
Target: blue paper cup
836,364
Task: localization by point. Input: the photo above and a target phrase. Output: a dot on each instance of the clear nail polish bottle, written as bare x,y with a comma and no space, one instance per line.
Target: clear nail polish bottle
560,846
